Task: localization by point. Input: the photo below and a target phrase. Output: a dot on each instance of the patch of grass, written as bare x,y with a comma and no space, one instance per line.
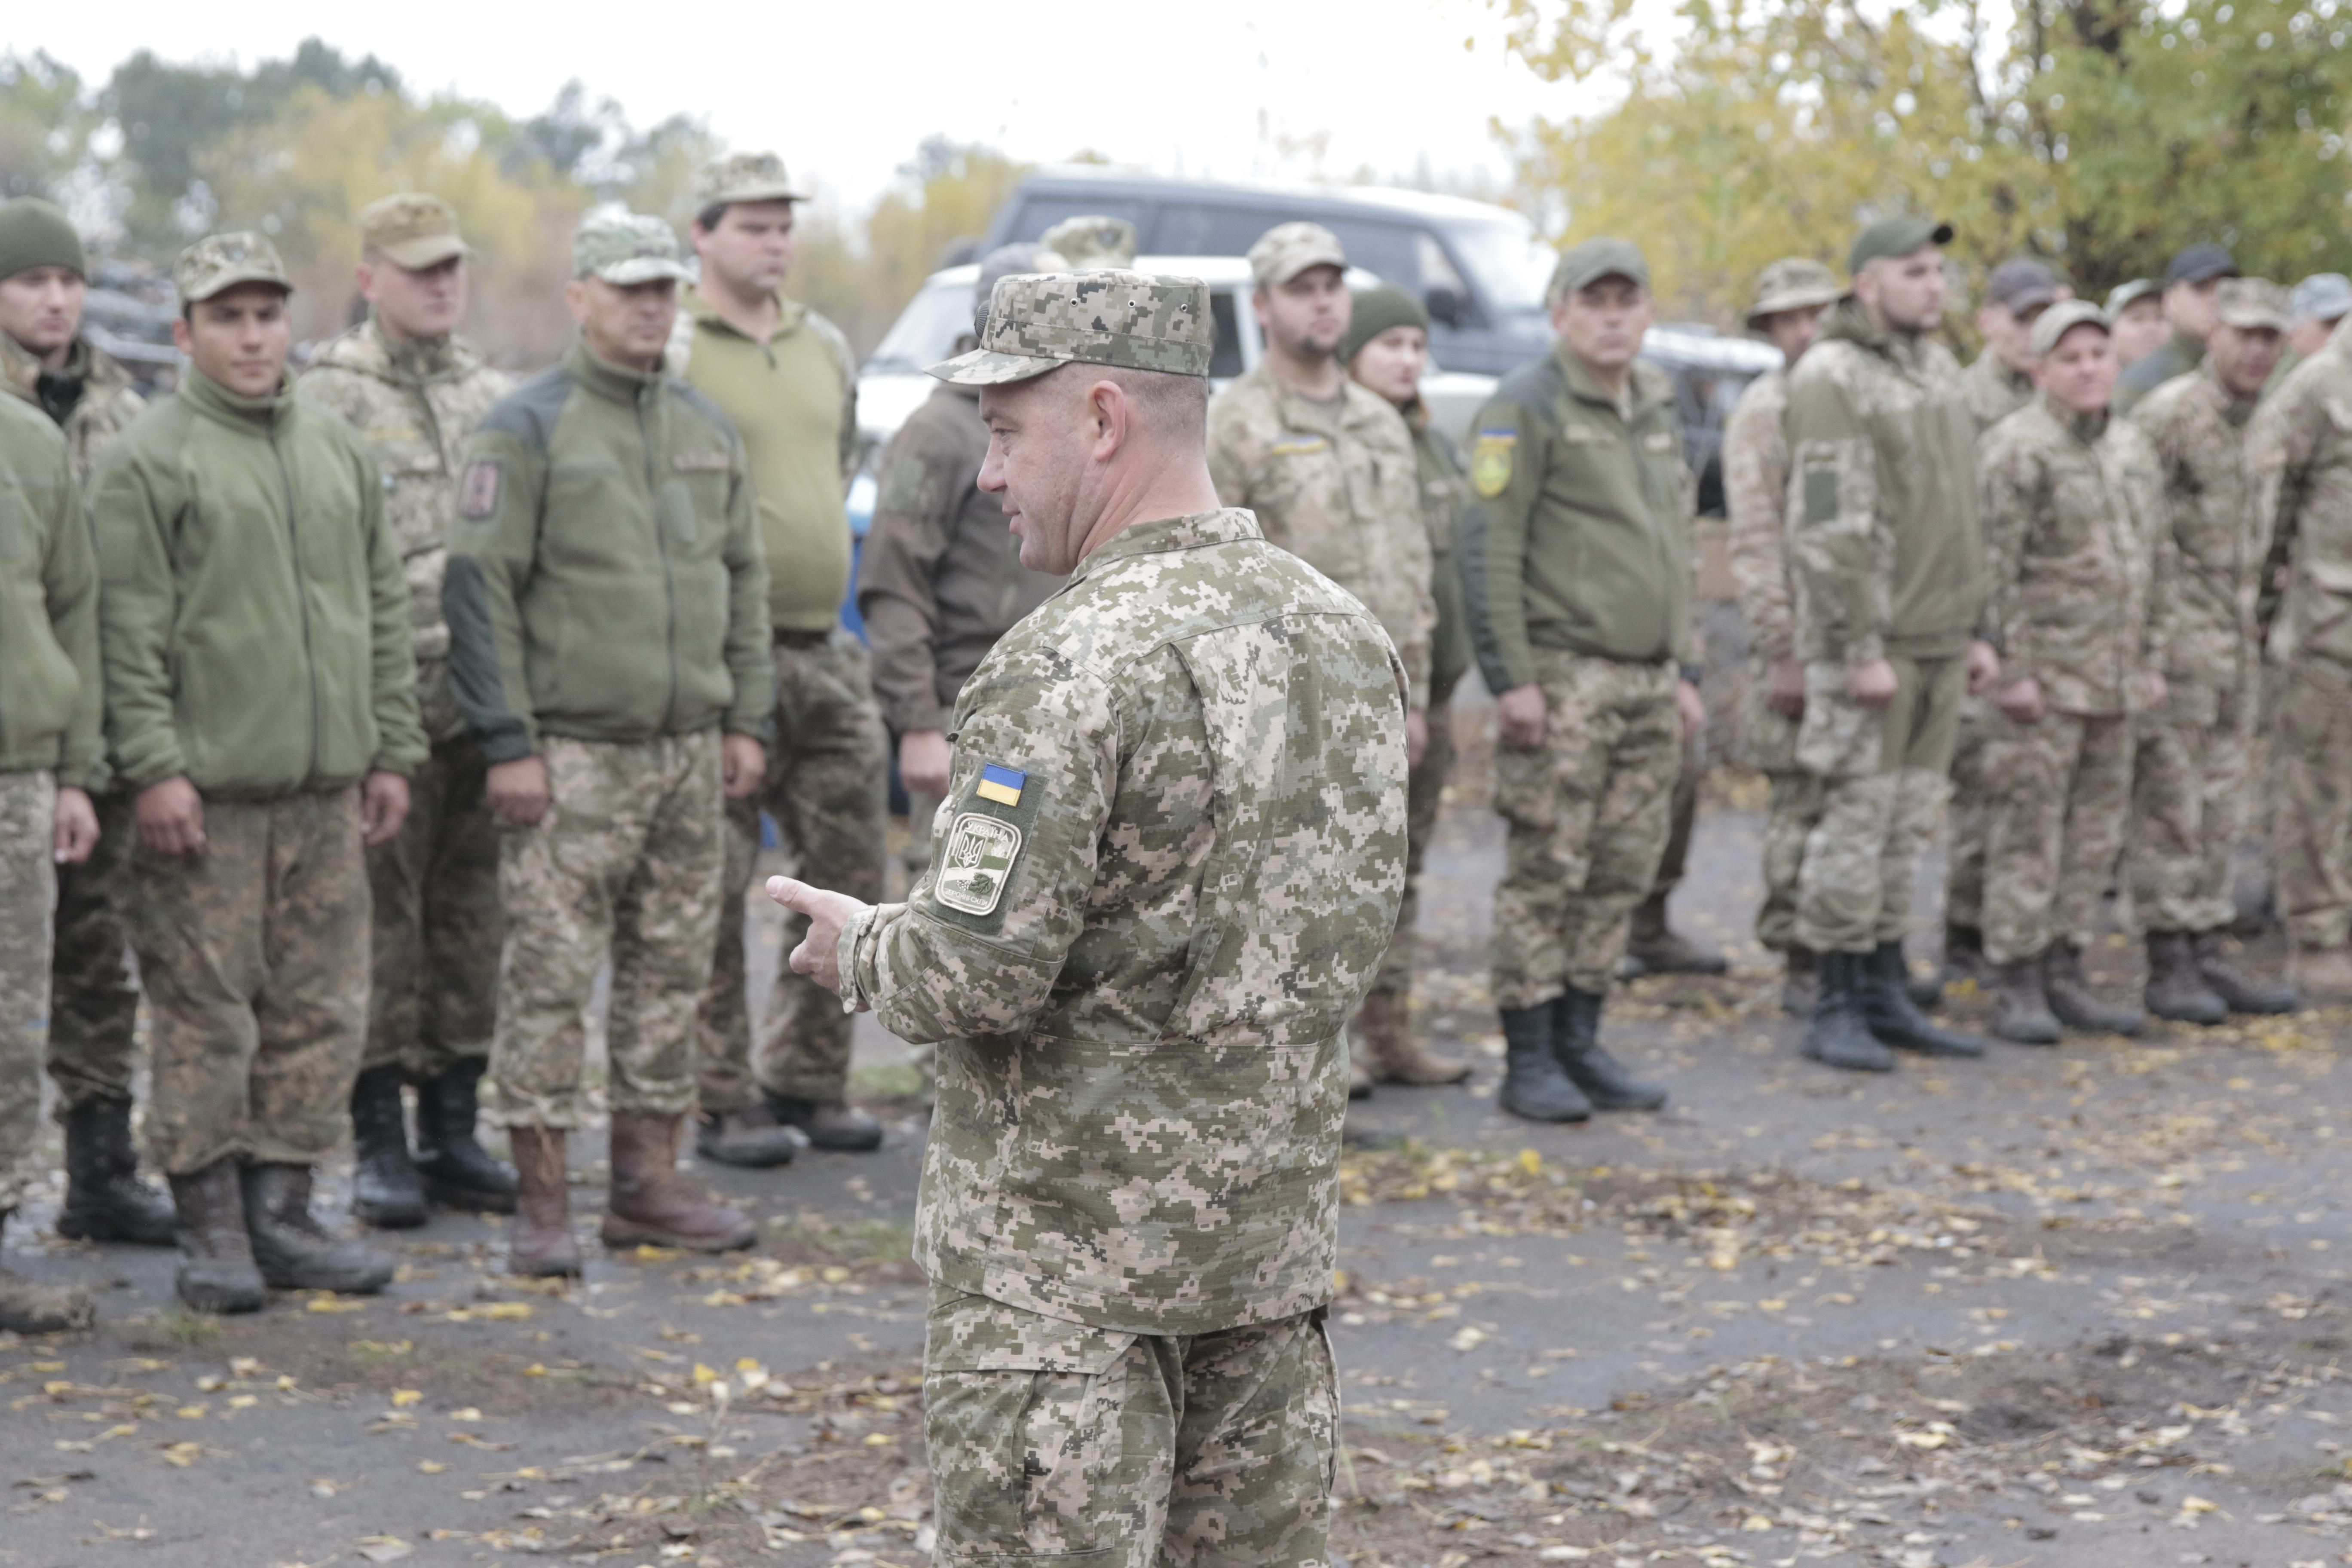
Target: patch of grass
190,1331
899,1082
850,1241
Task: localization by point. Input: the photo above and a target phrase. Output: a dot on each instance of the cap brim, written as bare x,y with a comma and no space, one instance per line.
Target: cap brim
1277,280
643,269
987,367
1795,299
416,254
2032,300
2253,319
756,194
242,275
2207,274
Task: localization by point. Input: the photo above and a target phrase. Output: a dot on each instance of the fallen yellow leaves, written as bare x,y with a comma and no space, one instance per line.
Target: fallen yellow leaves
402,1398
327,1301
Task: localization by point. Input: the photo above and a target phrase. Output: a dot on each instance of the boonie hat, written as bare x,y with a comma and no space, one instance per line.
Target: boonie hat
2198,263
623,248
743,178
1791,283
1287,249
1592,261
411,230
2322,297
1895,237
2062,318
1134,320
221,261
2021,286
1092,244
2253,303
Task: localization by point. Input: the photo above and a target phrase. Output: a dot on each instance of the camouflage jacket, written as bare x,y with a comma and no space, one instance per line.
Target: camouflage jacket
1756,496
2082,558
1444,491
1884,549
93,391
1993,390
413,403
2218,538
2299,462
1338,489
940,578
1170,860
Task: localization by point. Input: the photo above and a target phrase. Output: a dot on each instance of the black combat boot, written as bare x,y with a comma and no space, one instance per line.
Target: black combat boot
2176,988
105,1199
1894,1018
1800,982
828,1123
1533,1084
2241,992
292,1249
1656,948
1576,1041
752,1138
1925,990
458,1172
1964,955
1840,1036
28,1308
216,1270
2021,1006
386,1190
2072,1001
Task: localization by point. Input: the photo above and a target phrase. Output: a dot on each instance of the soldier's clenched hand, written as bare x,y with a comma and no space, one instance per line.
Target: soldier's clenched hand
1873,684
517,792
2021,701
1785,691
827,913
1519,712
384,807
172,817
744,762
73,824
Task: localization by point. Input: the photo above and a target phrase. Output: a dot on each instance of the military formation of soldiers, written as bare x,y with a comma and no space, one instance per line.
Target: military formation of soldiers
375,709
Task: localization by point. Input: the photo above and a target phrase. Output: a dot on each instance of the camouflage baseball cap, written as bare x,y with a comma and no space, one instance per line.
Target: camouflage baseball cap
743,178
1089,244
411,230
2123,294
2062,318
1135,321
1287,249
2253,303
220,261
1793,283
623,248
1592,261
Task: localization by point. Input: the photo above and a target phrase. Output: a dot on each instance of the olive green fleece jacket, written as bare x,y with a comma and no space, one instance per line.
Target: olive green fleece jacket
253,617
51,697
605,578
1576,537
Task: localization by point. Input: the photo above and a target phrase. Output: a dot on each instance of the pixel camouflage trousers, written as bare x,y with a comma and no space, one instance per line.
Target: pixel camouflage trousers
1053,1441
1589,812
826,790
253,952
1789,813
626,861
2194,759
1424,794
2313,822
2061,788
1964,858
28,890
439,927
93,999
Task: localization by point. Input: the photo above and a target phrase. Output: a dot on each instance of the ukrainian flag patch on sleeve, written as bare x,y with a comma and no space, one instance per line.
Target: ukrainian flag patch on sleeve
999,783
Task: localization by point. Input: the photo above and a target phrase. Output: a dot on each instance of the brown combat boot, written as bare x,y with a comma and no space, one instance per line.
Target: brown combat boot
1384,1034
217,1273
542,1243
26,1308
2323,974
650,1202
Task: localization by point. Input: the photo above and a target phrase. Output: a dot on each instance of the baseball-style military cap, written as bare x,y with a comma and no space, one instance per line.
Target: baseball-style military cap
1092,244
2322,297
2062,318
1287,249
2021,286
2123,294
743,178
1791,283
623,248
2253,303
220,261
412,230
1133,320
1891,236
1592,261
2200,264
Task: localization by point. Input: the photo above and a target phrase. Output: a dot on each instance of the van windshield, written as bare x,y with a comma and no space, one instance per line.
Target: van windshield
1511,262
926,332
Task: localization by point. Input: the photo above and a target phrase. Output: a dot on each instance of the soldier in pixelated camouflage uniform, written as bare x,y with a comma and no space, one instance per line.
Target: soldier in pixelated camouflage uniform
413,390
46,360
1171,862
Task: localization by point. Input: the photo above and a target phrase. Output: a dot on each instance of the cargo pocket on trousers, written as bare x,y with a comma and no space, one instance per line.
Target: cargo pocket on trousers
1838,738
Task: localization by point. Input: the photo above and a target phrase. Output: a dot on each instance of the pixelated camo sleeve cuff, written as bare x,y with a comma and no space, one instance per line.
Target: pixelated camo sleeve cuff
854,953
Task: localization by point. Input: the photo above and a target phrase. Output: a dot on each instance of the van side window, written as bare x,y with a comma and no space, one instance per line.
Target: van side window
1188,228
1040,213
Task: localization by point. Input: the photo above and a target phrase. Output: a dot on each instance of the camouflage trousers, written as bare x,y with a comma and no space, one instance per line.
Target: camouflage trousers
626,862
1882,781
1424,794
1050,1441
2314,820
1964,861
439,923
2194,762
825,789
1682,816
2061,791
254,952
1790,811
93,997
1589,812
28,896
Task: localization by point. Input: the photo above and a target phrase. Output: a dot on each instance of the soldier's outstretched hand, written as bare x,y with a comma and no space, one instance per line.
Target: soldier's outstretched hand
827,913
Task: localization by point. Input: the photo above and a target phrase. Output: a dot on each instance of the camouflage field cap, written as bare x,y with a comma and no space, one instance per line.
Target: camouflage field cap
1287,249
2253,303
1091,243
1134,320
743,178
1793,283
2130,293
221,261
412,230
1592,261
2062,318
623,248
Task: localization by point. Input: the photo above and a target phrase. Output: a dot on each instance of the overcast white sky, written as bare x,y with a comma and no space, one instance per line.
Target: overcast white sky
846,88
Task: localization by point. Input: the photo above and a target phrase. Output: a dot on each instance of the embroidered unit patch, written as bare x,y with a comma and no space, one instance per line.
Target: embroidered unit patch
1490,462
980,857
477,492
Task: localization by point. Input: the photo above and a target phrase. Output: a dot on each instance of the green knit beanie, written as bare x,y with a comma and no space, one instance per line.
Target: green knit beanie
33,233
1377,309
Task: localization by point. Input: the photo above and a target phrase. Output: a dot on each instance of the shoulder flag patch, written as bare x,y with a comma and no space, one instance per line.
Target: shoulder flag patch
477,492
1001,784
1490,462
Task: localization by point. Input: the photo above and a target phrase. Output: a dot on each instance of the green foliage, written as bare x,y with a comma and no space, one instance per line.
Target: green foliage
43,127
